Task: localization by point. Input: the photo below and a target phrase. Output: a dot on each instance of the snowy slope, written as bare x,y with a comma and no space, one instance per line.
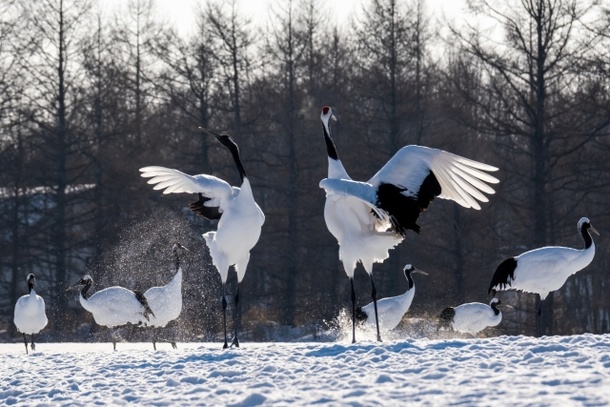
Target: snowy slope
518,370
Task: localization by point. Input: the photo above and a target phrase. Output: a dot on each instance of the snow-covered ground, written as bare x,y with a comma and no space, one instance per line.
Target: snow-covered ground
503,371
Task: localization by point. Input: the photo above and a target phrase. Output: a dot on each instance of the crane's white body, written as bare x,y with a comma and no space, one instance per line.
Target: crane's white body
361,236
30,313
165,301
473,317
546,269
114,306
391,310
238,231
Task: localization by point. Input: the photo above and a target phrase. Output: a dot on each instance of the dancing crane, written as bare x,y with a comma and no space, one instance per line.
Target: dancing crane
30,314
240,218
370,218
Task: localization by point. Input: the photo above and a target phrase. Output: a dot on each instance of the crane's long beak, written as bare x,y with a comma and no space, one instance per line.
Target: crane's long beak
72,286
333,117
182,247
209,132
418,271
505,306
594,230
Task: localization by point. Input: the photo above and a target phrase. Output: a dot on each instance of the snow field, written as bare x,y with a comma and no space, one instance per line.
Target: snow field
505,370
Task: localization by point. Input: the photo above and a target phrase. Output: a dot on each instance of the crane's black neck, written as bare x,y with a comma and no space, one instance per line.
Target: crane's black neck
494,307
234,149
331,149
177,258
586,235
409,278
30,286
84,290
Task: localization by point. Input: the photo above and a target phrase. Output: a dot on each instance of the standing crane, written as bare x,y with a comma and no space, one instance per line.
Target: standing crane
30,314
546,269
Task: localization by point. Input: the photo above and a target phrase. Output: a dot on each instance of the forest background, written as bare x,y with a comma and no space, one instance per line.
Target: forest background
88,96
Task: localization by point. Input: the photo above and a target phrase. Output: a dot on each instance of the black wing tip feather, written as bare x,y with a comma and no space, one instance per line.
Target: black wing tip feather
360,315
447,316
404,210
144,301
209,212
504,275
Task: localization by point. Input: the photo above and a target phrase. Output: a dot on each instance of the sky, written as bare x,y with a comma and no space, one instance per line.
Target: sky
180,12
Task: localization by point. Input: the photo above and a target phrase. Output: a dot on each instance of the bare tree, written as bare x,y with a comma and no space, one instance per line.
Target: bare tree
529,75
232,43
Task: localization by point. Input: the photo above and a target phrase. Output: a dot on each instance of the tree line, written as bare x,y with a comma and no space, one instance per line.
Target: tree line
88,96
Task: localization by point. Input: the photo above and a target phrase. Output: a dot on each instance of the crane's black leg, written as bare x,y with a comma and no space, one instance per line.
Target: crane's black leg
32,345
224,313
374,295
25,340
539,318
236,318
351,280
154,339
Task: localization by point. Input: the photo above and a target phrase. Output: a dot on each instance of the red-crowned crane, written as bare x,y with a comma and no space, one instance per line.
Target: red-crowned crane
391,309
114,306
546,269
369,218
240,218
472,317
166,301
30,313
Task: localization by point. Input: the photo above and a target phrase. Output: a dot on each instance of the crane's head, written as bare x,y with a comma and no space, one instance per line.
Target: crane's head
30,278
495,302
584,225
86,279
410,269
224,138
327,114
177,246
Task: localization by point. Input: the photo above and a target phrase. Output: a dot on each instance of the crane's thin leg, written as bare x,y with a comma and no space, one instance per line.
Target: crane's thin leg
374,295
539,318
154,339
224,314
351,280
25,340
236,318
33,345
113,344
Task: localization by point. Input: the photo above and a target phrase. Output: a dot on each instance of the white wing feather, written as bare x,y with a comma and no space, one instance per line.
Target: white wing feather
173,181
461,179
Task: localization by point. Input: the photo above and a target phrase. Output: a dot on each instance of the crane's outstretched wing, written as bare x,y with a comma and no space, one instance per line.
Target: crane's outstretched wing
453,177
214,193
413,177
